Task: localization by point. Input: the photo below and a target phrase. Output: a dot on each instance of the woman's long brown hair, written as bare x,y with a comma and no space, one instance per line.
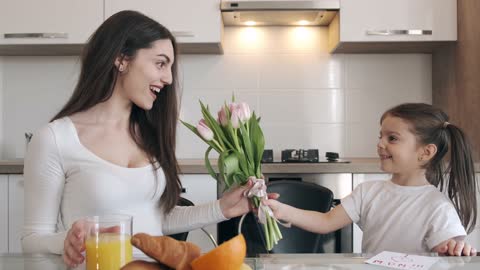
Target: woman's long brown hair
122,35
430,125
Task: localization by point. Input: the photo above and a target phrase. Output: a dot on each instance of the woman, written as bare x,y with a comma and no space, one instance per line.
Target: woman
111,149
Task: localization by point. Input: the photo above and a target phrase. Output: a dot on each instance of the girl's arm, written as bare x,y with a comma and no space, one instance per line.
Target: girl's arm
312,221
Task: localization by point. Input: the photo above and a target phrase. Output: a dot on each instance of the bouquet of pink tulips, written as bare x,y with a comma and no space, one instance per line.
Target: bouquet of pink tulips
237,137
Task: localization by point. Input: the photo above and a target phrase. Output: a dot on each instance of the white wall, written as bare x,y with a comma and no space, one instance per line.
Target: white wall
306,97
1,105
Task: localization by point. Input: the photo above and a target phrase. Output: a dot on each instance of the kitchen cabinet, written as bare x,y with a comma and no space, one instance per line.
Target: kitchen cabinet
393,25
200,188
197,25
3,213
49,21
358,179
455,70
15,212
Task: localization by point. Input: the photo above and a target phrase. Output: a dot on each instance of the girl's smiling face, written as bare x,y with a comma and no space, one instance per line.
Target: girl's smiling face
397,147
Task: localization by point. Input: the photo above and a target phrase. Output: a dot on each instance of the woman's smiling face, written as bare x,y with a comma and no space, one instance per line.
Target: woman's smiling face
147,73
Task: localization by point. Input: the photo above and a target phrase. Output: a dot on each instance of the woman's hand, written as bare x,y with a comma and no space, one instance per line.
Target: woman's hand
74,244
234,203
454,247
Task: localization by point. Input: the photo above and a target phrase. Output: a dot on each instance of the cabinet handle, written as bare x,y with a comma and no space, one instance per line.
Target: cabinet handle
409,32
35,35
183,34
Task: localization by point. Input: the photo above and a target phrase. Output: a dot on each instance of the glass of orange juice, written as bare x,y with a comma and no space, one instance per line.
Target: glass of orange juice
107,243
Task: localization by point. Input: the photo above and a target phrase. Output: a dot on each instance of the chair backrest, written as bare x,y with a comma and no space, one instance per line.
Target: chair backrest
182,236
299,194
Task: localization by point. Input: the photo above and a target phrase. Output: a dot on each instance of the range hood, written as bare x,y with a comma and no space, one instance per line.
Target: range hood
278,12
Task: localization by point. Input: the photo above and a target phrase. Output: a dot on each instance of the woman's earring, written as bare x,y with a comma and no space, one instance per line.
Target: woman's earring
420,158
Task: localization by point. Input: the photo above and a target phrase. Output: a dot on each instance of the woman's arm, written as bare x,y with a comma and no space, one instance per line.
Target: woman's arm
44,181
232,204
312,221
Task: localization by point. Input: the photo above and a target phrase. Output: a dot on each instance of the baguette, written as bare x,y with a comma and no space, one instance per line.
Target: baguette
166,250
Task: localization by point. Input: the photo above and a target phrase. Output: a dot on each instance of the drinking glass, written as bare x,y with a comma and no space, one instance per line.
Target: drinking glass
107,243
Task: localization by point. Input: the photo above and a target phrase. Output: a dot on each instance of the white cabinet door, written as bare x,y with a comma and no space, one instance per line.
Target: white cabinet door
358,179
3,213
200,188
474,237
367,20
71,21
191,21
15,212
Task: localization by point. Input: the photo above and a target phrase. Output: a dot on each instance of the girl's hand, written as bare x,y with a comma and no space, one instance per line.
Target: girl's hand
279,209
454,247
74,244
234,203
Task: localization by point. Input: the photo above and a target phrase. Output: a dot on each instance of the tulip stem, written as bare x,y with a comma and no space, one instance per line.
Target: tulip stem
218,145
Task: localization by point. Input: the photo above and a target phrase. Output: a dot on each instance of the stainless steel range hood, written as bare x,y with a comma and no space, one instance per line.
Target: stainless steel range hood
278,12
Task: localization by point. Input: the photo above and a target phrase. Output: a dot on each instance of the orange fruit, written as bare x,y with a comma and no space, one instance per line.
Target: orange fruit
228,256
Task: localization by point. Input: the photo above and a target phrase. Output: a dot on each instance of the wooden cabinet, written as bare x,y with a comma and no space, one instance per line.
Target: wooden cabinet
195,24
393,25
15,212
200,188
49,21
455,72
3,213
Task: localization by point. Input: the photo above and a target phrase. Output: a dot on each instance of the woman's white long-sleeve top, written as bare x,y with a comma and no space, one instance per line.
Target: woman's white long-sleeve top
64,181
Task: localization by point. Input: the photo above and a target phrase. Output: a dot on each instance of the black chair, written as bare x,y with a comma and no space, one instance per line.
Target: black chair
183,236
299,194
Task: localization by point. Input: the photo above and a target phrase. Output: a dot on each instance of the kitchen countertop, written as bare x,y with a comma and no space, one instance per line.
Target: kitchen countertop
197,166
264,262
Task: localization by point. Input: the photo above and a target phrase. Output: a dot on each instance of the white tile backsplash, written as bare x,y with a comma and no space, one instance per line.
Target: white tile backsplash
1,106
302,106
34,89
300,71
361,139
220,71
364,105
306,97
399,71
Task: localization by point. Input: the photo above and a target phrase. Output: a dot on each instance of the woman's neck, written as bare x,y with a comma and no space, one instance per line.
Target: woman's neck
115,111
414,178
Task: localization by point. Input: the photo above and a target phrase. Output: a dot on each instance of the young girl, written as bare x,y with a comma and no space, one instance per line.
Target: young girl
409,213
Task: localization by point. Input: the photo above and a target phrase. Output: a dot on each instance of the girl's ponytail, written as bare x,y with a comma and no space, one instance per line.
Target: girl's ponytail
461,186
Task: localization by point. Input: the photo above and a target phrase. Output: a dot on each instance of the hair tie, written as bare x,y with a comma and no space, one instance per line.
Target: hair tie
445,124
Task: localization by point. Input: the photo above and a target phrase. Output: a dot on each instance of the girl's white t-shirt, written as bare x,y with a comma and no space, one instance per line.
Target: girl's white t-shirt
64,181
409,219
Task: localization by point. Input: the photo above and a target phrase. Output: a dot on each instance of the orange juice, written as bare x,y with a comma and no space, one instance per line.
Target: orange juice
110,251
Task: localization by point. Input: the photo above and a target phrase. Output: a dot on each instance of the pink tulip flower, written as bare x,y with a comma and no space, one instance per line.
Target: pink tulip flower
244,112
204,130
222,117
235,119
